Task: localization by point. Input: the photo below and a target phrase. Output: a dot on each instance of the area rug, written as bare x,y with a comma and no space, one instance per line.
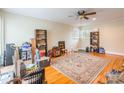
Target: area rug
83,68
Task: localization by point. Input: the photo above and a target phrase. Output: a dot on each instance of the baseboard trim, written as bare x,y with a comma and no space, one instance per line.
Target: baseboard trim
115,53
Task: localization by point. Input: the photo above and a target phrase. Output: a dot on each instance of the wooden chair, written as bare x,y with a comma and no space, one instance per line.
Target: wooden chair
56,51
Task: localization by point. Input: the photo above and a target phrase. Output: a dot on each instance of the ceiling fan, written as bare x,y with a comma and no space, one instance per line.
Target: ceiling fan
83,14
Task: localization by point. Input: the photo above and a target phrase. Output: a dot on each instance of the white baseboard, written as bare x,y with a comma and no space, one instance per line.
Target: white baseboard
115,53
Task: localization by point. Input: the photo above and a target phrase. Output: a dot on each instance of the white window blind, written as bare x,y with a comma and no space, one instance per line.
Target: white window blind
76,33
85,34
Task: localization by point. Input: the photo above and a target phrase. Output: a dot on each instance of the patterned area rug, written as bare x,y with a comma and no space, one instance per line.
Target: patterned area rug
83,68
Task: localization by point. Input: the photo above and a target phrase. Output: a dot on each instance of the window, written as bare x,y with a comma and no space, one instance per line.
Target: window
76,33
1,40
85,34
79,33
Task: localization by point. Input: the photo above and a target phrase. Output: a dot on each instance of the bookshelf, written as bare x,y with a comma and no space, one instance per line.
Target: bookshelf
94,41
61,45
41,40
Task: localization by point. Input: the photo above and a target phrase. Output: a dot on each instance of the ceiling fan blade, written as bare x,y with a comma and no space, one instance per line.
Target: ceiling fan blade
86,18
92,13
83,12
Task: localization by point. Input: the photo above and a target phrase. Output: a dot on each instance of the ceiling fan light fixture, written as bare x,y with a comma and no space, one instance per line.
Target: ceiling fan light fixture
94,19
81,17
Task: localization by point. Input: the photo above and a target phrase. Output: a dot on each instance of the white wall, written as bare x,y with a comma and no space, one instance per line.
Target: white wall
0,42
0,37
84,40
19,29
111,36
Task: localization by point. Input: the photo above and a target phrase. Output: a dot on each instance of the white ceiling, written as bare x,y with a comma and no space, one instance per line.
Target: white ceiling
61,14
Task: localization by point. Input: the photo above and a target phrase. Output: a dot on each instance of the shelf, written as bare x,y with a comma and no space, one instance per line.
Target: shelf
41,40
40,33
94,41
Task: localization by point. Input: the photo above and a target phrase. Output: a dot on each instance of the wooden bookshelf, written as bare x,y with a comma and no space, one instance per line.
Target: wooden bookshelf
41,40
94,41
61,45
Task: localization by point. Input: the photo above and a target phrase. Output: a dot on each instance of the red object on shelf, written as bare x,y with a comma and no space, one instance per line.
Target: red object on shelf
42,53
